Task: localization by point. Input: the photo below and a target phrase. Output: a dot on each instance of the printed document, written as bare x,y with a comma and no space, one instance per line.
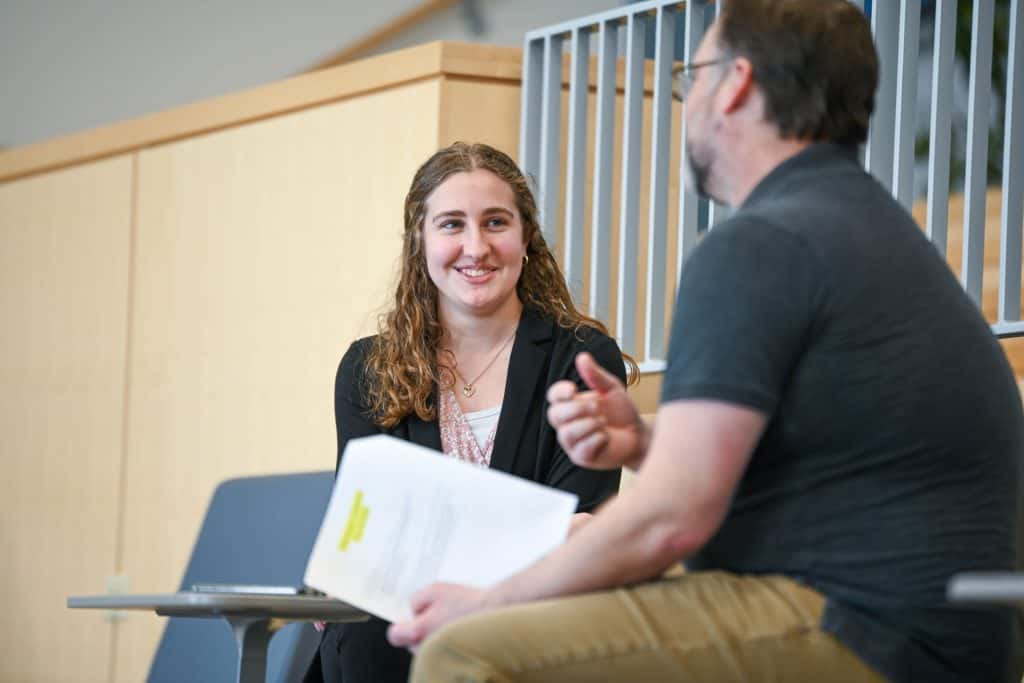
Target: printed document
403,516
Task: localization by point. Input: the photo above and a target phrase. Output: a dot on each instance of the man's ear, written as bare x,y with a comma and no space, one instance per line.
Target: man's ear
738,84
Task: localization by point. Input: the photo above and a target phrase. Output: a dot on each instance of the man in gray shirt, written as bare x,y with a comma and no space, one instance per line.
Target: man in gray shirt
839,431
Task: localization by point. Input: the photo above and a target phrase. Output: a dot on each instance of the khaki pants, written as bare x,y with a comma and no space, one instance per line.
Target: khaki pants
705,626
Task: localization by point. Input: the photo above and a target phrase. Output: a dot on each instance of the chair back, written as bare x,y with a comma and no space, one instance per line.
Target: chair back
257,530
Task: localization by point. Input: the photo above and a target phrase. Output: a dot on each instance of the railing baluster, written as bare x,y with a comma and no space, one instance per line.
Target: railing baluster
885,26
576,163
661,139
604,155
976,173
943,50
906,102
1013,172
551,139
529,126
629,199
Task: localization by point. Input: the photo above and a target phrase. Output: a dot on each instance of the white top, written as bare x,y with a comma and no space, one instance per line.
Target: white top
482,422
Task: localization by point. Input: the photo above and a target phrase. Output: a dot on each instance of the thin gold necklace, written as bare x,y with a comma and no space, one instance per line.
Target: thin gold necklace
468,388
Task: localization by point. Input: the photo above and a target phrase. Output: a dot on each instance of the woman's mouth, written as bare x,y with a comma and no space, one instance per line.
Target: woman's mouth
476,274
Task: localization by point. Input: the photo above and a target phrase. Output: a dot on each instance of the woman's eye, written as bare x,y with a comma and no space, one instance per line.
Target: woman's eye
450,225
496,222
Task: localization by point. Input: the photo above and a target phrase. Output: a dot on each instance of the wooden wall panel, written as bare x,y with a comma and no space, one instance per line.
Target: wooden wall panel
64,280
262,252
473,110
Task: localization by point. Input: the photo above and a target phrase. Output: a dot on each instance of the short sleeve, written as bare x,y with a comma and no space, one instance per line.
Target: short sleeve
747,302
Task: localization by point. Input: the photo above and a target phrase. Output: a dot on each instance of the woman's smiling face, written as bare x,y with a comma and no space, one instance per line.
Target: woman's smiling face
473,243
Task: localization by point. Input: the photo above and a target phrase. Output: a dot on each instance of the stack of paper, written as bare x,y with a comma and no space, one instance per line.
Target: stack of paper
402,517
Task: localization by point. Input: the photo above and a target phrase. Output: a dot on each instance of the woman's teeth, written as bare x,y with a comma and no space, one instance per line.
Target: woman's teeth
475,272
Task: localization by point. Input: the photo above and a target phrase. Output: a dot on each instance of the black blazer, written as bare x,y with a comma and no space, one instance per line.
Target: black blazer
524,443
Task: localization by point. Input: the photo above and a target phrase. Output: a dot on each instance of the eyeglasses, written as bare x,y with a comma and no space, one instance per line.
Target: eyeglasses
683,76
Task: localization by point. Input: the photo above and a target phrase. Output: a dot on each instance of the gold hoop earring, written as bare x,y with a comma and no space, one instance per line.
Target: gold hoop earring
526,259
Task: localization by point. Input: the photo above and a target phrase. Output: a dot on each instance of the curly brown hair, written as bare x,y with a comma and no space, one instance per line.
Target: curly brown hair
401,365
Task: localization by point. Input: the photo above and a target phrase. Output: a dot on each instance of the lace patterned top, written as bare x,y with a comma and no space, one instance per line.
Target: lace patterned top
457,437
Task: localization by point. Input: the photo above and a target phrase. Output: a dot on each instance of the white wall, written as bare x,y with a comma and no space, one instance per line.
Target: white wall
505,21
69,65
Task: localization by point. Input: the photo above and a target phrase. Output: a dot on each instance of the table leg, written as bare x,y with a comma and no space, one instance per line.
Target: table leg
252,636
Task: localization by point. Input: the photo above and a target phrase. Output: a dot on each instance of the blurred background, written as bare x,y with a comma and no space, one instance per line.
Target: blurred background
68,65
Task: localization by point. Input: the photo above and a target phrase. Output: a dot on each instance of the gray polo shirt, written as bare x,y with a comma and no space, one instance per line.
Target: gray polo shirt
890,460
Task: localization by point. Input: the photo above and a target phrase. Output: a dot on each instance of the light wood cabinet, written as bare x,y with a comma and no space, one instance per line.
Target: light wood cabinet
65,250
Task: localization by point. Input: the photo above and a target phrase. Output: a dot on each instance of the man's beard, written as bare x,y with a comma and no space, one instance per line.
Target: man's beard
696,176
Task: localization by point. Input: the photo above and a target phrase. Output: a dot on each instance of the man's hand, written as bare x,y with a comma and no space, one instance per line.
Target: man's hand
433,607
440,603
601,428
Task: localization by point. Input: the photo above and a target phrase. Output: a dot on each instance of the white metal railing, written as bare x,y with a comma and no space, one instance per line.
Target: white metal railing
603,167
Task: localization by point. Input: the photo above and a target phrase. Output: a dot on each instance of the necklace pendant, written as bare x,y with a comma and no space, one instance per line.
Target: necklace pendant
468,390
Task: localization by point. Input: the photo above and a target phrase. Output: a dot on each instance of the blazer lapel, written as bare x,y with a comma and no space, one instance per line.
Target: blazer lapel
526,367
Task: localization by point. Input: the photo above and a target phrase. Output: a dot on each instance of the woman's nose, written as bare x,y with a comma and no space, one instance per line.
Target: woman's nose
475,244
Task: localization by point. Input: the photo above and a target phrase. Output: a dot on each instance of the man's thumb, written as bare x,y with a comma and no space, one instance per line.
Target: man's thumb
596,377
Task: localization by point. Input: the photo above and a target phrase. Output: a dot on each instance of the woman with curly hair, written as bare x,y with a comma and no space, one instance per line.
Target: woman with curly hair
482,324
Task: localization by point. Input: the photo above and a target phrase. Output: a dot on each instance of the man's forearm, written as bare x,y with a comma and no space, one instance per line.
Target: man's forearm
627,541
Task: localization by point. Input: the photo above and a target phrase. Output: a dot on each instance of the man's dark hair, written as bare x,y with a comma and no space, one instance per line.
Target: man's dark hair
813,59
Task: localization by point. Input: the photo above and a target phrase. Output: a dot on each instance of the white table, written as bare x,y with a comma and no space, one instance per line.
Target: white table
249,616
